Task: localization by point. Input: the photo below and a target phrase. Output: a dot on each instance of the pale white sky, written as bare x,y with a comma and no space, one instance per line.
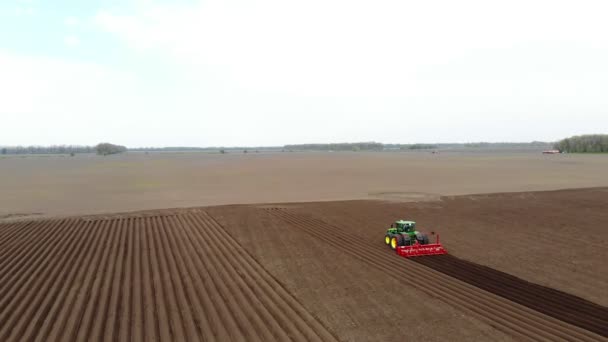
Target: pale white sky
210,73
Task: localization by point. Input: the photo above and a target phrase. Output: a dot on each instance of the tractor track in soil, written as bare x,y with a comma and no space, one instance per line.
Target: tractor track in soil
153,278
557,304
506,315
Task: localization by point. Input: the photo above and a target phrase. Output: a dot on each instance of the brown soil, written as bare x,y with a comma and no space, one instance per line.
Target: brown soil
312,271
555,238
557,304
136,181
157,278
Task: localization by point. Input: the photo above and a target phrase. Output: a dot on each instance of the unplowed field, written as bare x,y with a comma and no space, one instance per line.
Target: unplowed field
312,272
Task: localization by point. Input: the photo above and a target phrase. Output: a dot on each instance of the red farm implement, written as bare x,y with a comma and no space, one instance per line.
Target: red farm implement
418,249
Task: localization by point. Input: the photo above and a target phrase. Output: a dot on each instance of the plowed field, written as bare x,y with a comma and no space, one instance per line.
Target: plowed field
313,272
163,277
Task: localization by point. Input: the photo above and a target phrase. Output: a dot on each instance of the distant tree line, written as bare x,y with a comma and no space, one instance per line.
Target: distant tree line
591,143
172,149
471,146
107,148
419,147
539,144
360,146
55,149
102,148
205,149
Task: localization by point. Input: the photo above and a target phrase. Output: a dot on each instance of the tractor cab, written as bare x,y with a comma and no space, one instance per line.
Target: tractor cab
404,226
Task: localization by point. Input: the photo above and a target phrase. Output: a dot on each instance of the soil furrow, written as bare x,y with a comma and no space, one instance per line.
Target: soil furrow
212,303
91,317
151,326
306,326
243,330
123,288
14,254
525,321
137,287
161,317
12,273
255,317
295,305
15,231
14,290
179,307
49,316
72,313
483,274
563,306
7,226
124,322
19,238
201,325
282,321
31,299
105,327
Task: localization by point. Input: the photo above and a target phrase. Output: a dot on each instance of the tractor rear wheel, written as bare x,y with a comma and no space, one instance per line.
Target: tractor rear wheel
399,240
405,240
423,239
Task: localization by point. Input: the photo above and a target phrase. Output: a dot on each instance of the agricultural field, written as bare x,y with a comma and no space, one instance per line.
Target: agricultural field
88,184
102,262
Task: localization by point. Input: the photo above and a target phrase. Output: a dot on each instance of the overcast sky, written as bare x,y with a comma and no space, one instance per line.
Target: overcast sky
209,73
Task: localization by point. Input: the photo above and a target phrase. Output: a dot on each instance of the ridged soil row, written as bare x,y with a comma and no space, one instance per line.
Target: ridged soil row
124,321
64,320
118,308
46,293
28,237
290,314
56,293
20,312
136,292
566,307
21,268
217,307
155,278
177,309
91,306
499,312
10,231
13,264
199,319
107,293
251,316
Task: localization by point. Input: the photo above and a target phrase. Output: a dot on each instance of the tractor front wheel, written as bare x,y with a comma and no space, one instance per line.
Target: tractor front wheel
394,242
387,239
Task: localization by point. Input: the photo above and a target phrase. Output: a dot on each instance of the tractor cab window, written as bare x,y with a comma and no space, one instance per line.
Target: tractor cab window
405,226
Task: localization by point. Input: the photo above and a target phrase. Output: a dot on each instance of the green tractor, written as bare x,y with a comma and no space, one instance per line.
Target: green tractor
404,233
